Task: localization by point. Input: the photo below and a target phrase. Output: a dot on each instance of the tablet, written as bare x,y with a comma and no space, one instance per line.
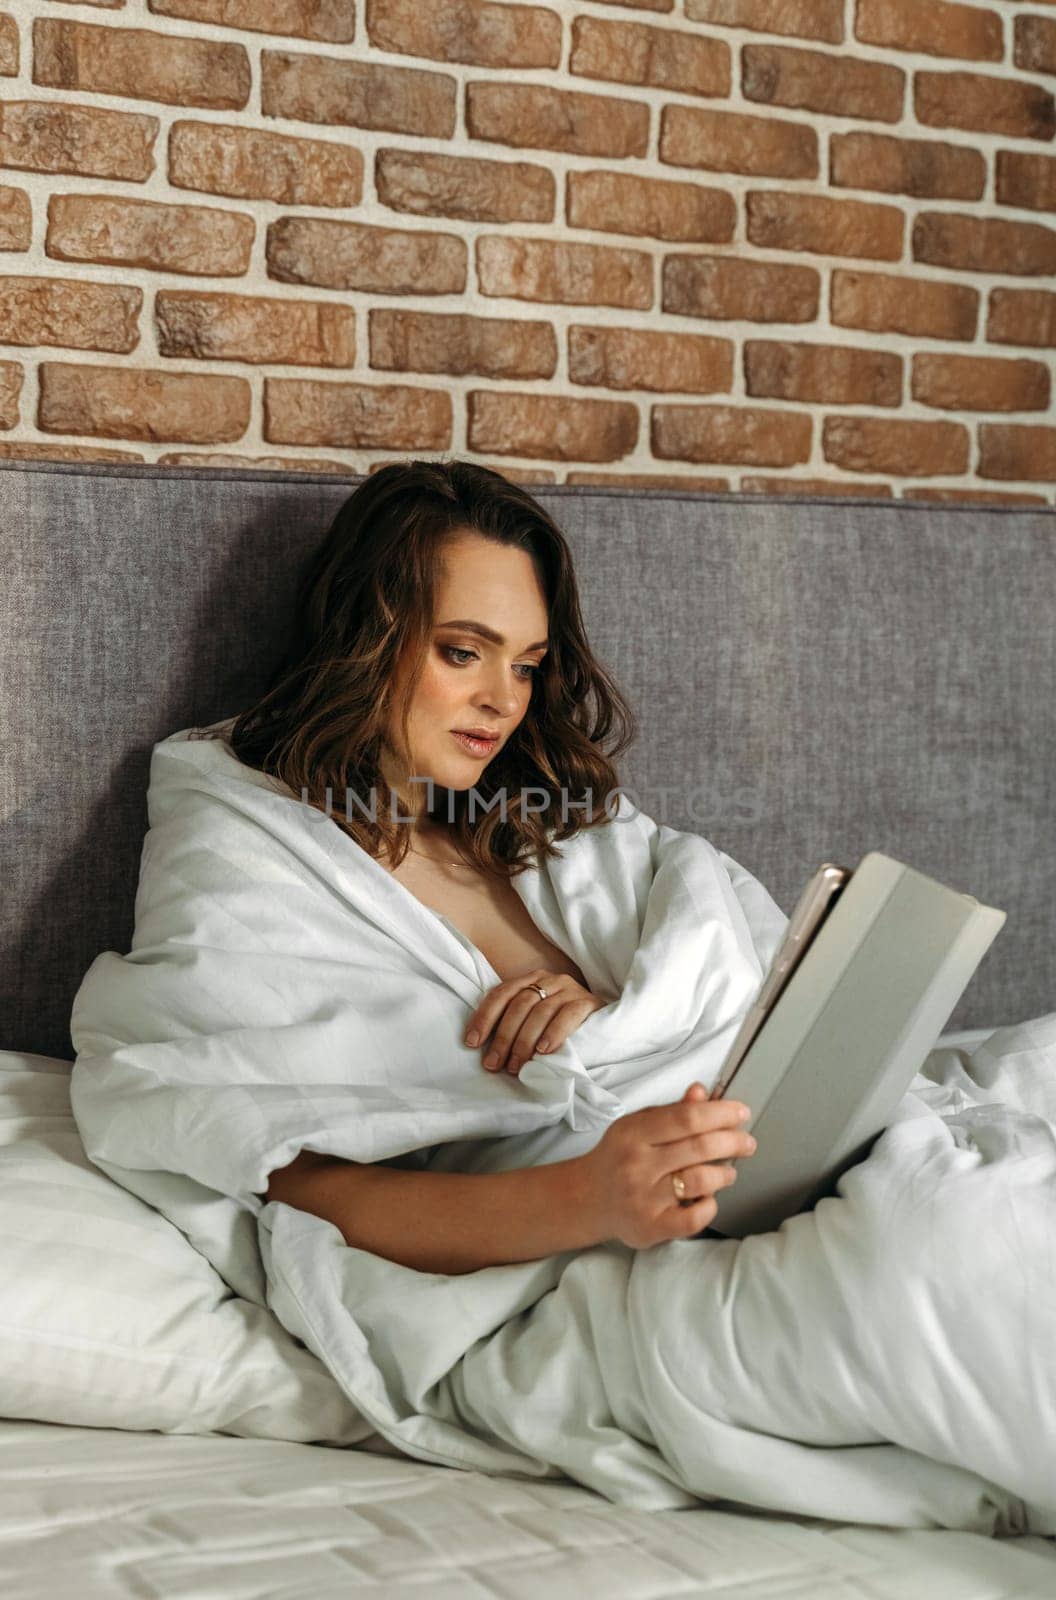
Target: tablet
871,966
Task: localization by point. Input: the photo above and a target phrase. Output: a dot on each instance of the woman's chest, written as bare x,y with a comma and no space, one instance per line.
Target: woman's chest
492,916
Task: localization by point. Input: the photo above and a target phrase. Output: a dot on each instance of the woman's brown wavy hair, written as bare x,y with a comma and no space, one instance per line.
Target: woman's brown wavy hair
366,595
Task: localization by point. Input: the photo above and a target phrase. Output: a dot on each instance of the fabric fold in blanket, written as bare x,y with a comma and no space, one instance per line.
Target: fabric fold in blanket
885,1358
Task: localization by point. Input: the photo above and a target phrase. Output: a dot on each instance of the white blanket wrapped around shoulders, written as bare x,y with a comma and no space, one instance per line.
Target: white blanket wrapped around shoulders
885,1358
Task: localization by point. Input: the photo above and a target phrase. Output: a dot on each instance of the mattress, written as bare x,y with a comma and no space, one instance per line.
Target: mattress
88,1513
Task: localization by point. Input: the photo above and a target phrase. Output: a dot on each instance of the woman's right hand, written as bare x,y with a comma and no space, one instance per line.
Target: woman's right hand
630,1168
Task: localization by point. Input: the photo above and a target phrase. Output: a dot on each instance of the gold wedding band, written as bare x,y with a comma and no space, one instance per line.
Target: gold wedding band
678,1184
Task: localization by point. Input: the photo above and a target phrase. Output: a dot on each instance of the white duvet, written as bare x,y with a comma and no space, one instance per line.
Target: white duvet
887,1358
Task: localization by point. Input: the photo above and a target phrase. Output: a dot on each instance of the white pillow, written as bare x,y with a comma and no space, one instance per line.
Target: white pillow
110,1318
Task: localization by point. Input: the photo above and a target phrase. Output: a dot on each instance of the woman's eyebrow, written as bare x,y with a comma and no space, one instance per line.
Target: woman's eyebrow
488,633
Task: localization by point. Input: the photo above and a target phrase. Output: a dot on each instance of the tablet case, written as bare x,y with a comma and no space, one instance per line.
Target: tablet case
847,1035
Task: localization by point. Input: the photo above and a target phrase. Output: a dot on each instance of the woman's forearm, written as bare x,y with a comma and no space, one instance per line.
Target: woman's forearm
449,1222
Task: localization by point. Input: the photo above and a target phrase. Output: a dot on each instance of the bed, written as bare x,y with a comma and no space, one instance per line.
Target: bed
138,600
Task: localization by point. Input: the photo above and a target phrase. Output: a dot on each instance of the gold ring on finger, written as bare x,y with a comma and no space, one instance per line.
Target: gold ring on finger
678,1184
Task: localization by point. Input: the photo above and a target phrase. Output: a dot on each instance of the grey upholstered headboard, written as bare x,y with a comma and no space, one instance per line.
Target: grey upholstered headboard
814,678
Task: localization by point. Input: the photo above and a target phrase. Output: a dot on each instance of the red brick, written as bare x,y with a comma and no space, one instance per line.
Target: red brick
46,136
827,374
142,403
12,377
456,343
533,115
824,226
564,272
984,103
431,184
53,451
1035,44
925,168
807,19
356,416
726,141
980,383
16,219
812,80
531,474
70,313
763,438
251,164
885,303
1009,450
233,327
474,31
508,469
145,233
624,202
640,358
355,255
221,458
724,289
814,486
140,64
934,29
983,244
9,52
551,426
977,496
659,58
904,448
1022,316
356,94
689,481
329,21
1026,180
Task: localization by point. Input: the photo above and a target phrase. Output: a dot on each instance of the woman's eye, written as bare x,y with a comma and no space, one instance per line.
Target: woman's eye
451,650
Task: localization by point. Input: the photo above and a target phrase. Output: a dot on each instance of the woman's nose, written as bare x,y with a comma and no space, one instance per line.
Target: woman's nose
501,698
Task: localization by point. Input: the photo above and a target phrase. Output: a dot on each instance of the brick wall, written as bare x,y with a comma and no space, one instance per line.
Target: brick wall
733,244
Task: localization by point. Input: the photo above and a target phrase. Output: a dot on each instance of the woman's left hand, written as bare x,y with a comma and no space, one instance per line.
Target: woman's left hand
526,1025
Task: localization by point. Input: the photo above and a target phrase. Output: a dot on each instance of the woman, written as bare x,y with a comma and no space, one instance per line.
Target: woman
443,603
524,1291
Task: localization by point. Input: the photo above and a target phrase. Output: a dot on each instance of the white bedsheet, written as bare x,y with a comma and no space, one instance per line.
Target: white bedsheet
884,1359
93,1514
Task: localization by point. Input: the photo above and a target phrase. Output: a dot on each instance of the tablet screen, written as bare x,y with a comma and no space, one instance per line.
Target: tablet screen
811,909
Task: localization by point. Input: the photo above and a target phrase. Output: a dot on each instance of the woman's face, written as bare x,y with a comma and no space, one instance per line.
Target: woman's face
470,681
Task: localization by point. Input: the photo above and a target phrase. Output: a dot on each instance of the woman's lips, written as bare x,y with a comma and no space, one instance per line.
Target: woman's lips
475,746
